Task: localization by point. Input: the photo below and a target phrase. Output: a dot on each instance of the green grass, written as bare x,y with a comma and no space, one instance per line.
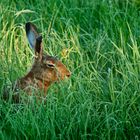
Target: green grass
101,100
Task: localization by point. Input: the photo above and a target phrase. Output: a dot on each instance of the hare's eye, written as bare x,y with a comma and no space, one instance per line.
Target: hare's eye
50,65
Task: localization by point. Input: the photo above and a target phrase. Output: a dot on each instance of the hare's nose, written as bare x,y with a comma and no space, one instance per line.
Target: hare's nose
68,74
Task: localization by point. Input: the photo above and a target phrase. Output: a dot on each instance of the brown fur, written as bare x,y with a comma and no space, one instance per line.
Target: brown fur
45,69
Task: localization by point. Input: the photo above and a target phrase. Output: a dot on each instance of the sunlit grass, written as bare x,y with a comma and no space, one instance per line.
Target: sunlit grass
99,42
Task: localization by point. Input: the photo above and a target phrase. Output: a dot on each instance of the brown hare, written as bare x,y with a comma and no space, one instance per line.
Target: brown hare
45,70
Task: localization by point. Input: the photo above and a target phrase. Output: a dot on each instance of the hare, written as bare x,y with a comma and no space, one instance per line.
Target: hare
45,70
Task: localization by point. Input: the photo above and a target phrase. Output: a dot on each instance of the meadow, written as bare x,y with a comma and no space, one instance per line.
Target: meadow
99,41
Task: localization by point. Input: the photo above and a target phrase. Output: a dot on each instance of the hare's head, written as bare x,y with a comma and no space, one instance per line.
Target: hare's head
46,68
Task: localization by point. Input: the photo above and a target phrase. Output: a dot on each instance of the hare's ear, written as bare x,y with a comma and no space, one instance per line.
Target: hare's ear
38,48
31,33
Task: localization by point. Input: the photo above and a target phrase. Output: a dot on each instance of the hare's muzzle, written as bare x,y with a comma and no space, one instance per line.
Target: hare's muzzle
68,74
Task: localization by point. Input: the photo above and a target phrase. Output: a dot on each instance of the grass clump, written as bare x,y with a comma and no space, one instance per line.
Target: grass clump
99,42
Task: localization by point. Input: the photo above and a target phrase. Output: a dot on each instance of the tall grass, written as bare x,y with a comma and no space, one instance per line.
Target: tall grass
99,41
